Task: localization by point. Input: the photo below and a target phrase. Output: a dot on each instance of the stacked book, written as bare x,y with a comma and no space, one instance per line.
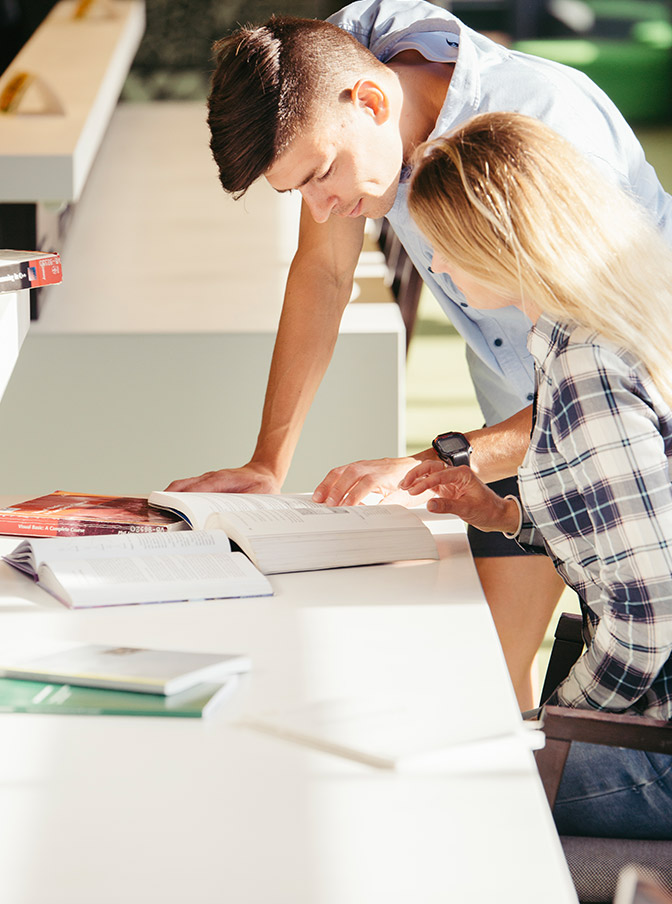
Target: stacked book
94,679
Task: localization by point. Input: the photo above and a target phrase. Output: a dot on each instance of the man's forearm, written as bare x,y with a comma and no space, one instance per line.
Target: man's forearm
499,450
319,287
304,346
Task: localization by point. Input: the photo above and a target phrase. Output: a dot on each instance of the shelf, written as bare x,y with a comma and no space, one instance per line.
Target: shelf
83,62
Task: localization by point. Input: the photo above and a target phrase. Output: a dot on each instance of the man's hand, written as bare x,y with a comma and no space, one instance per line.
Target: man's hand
350,484
460,492
250,478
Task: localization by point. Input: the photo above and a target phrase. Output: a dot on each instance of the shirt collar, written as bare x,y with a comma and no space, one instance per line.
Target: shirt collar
547,335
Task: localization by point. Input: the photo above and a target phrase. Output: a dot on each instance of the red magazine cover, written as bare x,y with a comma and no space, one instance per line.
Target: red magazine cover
63,514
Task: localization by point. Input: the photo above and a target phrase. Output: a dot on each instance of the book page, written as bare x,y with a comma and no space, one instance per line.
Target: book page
261,514
292,533
108,581
29,554
316,536
200,510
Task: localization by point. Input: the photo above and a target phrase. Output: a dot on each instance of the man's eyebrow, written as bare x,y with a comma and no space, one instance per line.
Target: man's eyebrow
311,175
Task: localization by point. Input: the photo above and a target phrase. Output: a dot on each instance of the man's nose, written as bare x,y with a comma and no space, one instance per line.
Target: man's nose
320,204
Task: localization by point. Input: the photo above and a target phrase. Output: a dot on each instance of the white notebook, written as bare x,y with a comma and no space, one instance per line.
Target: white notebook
386,732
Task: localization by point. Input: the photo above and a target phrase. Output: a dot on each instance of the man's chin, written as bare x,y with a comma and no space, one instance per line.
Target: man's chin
385,202
375,208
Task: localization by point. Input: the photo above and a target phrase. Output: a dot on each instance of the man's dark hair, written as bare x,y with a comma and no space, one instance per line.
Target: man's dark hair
263,90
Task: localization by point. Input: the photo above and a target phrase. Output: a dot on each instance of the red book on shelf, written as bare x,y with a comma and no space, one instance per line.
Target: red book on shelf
28,270
62,514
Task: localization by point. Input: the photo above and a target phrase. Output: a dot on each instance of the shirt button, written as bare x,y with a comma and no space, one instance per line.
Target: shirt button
497,342
464,304
530,397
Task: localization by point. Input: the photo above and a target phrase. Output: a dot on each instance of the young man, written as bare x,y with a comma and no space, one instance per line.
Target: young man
334,110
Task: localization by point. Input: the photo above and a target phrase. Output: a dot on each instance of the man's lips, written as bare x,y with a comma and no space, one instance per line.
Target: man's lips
356,210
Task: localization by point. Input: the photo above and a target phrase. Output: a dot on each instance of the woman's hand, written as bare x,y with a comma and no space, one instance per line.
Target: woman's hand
458,491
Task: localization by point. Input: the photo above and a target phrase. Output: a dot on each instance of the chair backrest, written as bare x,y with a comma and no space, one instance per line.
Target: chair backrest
567,647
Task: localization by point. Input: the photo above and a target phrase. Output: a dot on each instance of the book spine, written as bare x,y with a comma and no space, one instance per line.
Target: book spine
29,274
136,687
16,525
97,711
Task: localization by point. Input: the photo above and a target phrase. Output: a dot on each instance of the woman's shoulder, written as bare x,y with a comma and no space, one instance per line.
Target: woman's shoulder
592,383
584,354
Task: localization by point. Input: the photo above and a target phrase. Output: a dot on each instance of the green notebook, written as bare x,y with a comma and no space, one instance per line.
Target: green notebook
17,696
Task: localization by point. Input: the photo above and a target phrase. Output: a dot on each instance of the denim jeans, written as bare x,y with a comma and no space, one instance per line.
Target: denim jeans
609,792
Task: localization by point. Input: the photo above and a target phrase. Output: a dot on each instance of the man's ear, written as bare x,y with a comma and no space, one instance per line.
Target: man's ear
369,96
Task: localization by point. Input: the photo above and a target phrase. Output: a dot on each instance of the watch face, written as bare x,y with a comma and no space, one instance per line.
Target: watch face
453,443
453,448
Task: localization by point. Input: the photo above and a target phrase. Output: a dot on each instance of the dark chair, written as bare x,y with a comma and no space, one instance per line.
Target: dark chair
595,863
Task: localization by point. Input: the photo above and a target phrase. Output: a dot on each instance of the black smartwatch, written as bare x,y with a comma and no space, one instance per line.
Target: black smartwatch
453,448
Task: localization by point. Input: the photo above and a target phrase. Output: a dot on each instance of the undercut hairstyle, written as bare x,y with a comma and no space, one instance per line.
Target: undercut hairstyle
265,88
517,207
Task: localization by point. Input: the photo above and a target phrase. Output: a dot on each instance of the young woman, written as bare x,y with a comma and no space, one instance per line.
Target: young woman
517,217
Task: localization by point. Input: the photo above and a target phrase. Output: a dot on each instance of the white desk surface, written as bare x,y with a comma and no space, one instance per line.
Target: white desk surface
161,811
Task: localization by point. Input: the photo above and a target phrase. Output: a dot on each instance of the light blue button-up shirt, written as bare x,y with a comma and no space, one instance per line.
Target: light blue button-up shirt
490,77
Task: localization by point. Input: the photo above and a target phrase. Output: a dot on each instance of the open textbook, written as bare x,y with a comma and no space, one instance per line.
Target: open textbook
292,533
83,572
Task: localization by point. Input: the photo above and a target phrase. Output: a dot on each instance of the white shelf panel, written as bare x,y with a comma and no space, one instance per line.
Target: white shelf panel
47,157
14,321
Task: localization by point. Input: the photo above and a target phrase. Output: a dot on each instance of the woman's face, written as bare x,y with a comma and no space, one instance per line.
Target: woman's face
478,295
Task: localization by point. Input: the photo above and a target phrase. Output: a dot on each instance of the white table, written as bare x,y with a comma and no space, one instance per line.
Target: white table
150,361
160,811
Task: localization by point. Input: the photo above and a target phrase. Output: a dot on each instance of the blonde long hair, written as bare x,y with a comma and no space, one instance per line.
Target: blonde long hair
515,205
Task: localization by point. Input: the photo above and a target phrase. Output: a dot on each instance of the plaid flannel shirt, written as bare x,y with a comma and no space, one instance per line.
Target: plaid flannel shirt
596,493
